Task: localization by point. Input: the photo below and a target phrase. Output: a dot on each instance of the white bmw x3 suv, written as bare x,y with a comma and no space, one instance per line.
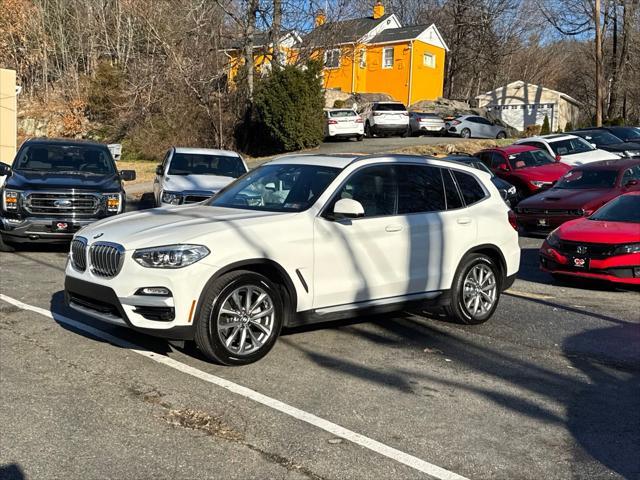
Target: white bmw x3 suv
301,239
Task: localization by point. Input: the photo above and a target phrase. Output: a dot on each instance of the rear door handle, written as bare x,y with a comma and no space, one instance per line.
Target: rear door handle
393,228
464,221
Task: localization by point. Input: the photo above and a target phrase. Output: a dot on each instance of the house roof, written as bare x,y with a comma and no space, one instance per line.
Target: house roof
345,31
260,39
399,34
520,83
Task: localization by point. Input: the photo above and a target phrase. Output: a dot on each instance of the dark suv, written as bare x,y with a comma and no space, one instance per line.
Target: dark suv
55,187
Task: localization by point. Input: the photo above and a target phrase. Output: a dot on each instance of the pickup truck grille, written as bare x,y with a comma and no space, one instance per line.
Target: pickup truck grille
62,203
79,254
106,259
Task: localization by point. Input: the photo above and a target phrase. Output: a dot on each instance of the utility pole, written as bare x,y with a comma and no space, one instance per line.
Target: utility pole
599,93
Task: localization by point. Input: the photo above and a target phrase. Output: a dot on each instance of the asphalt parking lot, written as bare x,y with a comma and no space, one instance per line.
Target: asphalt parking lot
549,388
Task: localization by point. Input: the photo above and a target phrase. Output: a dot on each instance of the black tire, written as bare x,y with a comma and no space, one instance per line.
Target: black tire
359,138
208,336
406,133
457,310
465,133
6,247
501,135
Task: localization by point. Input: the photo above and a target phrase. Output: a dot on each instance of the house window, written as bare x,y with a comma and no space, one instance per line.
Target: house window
387,57
429,60
363,58
332,58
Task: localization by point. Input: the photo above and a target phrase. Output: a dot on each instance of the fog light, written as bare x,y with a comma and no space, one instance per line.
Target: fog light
158,291
14,221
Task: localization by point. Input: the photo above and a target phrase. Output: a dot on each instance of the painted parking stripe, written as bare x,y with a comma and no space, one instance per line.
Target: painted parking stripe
366,442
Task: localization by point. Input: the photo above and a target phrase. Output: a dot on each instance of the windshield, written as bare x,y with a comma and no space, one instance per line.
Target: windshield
532,158
202,164
627,133
570,146
481,166
342,113
585,179
623,209
78,159
277,188
390,107
600,138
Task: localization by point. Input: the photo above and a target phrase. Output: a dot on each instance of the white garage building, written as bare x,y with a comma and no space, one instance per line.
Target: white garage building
520,104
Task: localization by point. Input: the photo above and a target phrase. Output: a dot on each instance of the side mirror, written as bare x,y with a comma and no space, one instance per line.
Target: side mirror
128,175
159,170
503,167
631,183
4,169
348,208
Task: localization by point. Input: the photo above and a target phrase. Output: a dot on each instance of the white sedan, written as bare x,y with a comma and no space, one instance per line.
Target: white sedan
343,123
569,149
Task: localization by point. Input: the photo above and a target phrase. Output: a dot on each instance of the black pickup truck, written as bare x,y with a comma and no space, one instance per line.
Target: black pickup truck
55,187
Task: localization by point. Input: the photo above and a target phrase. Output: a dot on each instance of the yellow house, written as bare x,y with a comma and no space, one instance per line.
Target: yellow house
373,54
377,54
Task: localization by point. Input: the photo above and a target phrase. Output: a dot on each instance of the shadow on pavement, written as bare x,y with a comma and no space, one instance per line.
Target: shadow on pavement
11,471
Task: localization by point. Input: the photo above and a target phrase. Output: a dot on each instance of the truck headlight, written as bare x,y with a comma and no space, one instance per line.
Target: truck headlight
172,198
170,256
114,202
10,200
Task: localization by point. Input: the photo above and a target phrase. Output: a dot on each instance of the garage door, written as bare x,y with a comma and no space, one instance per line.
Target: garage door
521,116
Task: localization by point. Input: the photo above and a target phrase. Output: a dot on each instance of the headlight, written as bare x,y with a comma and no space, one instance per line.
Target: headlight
539,184
553,240
170,256
114,202
627,249
10,200
173,198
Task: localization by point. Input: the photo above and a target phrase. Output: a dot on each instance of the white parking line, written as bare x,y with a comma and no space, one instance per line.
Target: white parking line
366,442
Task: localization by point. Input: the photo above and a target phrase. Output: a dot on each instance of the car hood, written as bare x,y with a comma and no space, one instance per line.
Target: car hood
596,155
561,198
200,183
165,226
546,173
26,180
596,231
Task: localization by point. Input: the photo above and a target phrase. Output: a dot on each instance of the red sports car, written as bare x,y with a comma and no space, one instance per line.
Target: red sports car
528,168
604,246
578,194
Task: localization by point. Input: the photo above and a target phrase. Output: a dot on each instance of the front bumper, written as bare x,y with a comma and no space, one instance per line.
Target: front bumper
118,301
40,229
620,269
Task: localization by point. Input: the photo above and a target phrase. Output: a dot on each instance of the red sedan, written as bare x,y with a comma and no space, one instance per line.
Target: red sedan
604,246
528,168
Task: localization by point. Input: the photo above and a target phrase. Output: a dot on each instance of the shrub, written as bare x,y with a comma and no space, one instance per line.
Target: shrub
568,127
288,109
546,128
105,93
532,130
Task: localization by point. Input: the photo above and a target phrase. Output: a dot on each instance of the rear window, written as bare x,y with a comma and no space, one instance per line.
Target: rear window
390,107
342,114
472,191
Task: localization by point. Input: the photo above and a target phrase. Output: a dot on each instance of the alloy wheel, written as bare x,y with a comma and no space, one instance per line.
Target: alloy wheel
479,290
246,320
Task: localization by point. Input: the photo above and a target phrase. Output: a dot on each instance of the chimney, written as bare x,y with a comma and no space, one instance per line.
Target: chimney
321,18
378,10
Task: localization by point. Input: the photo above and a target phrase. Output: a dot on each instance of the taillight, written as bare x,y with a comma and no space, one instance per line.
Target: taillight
359,120
332,122
513,220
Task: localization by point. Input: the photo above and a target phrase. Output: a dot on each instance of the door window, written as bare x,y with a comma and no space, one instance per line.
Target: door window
472,191
497,160
374,187
420,189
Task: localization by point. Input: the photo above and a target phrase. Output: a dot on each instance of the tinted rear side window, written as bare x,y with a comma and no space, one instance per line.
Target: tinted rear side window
472,191
390,107
420,189
451,191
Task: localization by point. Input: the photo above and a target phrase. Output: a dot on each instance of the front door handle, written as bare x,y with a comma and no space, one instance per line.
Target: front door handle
464,221
393,228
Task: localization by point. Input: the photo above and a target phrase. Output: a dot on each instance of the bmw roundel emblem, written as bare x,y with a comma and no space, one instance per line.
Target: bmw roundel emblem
98,235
